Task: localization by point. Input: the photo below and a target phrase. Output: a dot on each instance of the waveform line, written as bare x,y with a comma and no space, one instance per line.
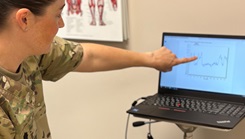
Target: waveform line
221,61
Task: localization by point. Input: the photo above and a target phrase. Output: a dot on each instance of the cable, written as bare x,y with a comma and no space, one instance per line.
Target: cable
140,123
149,136
150,126
132,105
126,131
136,101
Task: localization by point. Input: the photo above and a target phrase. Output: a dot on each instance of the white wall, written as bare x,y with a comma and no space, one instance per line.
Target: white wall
93,105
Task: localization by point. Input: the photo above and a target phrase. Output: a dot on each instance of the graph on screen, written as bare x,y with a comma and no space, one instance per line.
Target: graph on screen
212,62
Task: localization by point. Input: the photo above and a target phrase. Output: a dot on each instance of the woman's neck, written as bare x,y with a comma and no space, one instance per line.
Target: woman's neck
11,54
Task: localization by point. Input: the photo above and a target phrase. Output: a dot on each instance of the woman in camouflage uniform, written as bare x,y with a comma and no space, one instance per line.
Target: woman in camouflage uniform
30,53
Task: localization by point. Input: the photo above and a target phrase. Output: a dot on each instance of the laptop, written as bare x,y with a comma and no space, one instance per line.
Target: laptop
208,92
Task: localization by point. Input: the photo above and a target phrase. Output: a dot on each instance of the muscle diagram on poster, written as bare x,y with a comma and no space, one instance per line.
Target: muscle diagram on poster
102,20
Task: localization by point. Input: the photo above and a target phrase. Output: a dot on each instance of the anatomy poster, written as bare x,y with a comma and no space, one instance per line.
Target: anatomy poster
93,20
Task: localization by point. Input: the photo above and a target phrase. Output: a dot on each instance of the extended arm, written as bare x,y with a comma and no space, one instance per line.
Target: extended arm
102,58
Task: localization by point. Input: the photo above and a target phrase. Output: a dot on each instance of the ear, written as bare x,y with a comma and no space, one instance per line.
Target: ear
23,18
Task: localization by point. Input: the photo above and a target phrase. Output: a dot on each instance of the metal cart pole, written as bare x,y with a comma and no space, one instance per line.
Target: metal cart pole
188,131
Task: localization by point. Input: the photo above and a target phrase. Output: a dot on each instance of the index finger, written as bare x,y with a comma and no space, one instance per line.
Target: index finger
185,60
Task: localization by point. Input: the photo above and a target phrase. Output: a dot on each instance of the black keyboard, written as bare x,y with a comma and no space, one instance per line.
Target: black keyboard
197,105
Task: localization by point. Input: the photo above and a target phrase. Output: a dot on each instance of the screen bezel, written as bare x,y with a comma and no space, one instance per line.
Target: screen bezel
195,93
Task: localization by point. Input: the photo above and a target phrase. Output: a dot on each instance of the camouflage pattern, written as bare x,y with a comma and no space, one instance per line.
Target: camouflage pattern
22,107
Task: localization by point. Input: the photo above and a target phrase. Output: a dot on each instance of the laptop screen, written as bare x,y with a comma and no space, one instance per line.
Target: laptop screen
220,66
